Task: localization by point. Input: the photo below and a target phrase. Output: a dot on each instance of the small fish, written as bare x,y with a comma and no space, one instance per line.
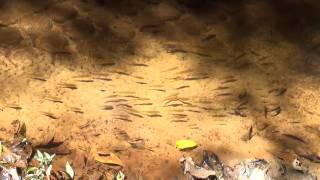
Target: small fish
241,108
248,136
81,76
135,114
107,64
116,100
263,58
77,110
195,111
207,108
139,64
139,82
179,120
199,53
265,112
281,91
131,96
56,100
85,80
209,37
196,78
170,69
176,78
151,28
107,108
185,71
143,99
156,86
103,79
122,115
221,88
124,105
205,102
143,104
294,138
185,102
38,78
228,77
172,48
273,90
178,110
175,105
154,115
152,112
123,119
294,122
250,133
239,57
84,126
172,97
138,77
182,87
162,90
222,124
179,115
50,115
219,115
16,107
254,53
229,81
121,73
119,149
267,64
126,92
68,86
132,110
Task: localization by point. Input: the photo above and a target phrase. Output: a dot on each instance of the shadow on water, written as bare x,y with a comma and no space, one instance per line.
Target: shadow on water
244,39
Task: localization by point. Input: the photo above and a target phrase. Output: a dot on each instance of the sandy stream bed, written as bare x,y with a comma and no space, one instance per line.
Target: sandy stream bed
135,76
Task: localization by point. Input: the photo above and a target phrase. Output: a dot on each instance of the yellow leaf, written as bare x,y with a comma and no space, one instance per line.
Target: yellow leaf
186,144
108,158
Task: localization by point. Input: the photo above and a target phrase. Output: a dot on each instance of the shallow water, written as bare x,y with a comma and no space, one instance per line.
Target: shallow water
135,76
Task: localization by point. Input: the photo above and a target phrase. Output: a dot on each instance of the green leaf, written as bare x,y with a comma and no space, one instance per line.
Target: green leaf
47,156
69,170
52,156
48,171
120,176
31,170
186,144
39,156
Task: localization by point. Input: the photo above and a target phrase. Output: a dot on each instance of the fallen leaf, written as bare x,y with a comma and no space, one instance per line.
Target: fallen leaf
108,158
69,170
189,167
186,144
120,176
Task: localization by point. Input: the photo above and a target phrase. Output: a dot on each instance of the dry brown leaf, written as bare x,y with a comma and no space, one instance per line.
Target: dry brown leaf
107,158
111,159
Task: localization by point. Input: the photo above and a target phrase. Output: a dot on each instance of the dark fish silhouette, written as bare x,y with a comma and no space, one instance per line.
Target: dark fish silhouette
182,87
